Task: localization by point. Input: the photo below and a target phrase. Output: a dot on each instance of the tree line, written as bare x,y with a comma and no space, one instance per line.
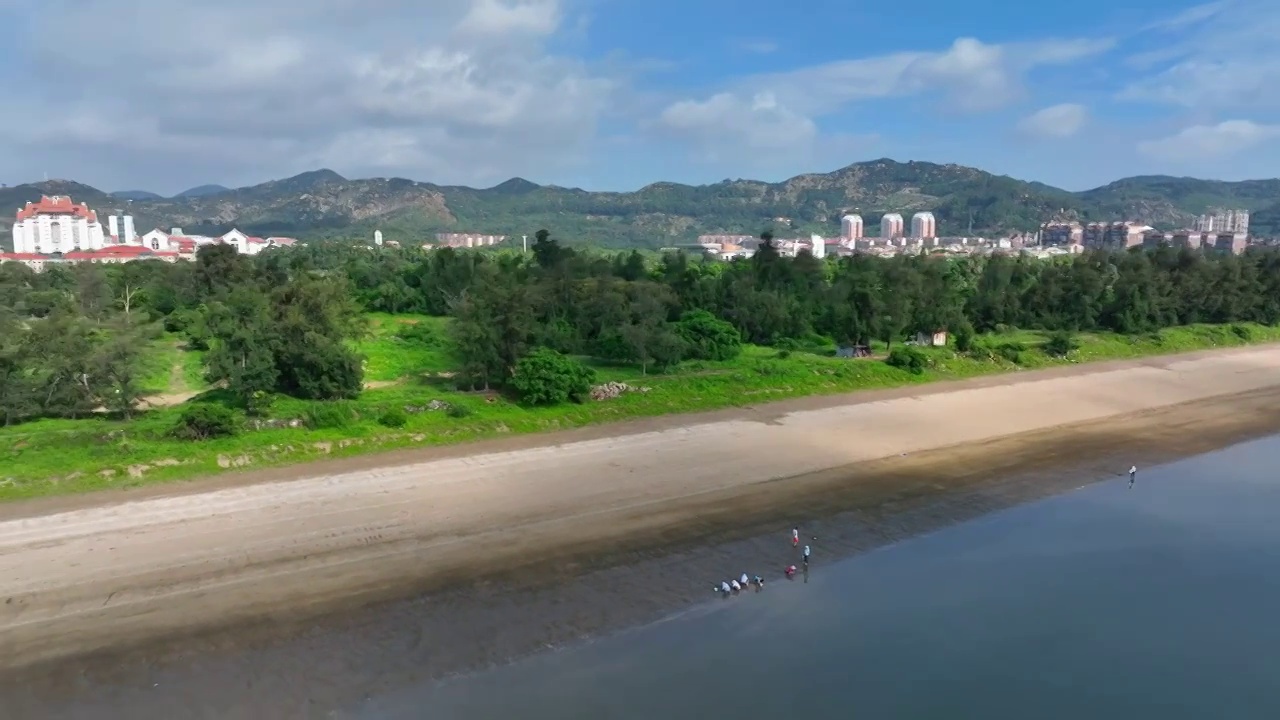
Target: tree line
75,339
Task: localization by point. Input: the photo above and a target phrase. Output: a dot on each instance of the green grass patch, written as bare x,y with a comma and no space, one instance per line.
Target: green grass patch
403,346
62,456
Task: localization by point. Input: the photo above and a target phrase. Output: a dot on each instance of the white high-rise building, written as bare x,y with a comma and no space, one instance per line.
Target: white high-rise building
130,235
819,245
56,225
377,238
1232,221
891,226
851,227
923,225
113,228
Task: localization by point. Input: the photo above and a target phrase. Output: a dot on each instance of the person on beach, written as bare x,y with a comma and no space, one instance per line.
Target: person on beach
724,587
795,537
1133,474
790,571
744,580
759,583
736,586
806,555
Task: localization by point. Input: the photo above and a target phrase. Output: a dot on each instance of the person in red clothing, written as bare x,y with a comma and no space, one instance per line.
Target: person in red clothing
795,537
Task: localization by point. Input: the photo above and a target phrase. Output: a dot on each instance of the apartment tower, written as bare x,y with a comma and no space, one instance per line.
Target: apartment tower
891,226
923,225
851,227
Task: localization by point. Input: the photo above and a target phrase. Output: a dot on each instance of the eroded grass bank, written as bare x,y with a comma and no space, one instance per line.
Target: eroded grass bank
413,381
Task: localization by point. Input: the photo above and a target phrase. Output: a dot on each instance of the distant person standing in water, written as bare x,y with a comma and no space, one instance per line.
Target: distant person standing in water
806,555
795,537
1133,475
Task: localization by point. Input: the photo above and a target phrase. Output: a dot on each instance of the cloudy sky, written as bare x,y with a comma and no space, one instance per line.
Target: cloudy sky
162,95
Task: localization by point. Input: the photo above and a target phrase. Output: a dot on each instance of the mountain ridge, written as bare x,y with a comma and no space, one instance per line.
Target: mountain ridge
966,200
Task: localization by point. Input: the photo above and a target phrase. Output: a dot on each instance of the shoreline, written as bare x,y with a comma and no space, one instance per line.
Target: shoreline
284,575
764,411
293,670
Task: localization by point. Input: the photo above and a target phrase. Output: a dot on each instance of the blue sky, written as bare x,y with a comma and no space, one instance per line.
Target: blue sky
615,94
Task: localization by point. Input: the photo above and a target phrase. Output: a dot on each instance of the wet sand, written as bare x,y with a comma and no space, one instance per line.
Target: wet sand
247,568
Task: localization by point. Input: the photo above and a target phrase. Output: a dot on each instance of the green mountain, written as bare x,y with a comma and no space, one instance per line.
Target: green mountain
965,200
136,195
202,191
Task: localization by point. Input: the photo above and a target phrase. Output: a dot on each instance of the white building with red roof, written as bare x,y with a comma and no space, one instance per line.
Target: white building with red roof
112,254
56,224
185,245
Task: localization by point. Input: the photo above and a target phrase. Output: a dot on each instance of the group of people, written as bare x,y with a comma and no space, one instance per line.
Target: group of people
729,587
742,583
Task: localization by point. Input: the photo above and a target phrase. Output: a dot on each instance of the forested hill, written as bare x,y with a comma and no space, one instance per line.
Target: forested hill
965,200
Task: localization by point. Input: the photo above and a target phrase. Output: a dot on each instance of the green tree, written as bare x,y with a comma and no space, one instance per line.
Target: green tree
121,361
242,352
708,338
545,377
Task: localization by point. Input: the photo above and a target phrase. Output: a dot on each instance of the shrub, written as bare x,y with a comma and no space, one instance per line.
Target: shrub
458,411
770,368
1011,351
1061,344
545,377
787,344
320,368
707,337
329,415
205,421
393,418
1243,332
783,354
964,338
909,358
420,333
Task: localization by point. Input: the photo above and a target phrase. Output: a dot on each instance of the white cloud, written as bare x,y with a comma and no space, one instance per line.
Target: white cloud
495,17
779,111
468,91
1057,121
1190,17
726,120
1221,56
970,75
1209,143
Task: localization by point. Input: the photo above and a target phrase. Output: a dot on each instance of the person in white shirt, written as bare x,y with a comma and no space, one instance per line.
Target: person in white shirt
1133,474
806,554
736,586
724,587
744,580
795,537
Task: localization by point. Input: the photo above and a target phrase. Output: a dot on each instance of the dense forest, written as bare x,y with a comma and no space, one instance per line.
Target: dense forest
74,339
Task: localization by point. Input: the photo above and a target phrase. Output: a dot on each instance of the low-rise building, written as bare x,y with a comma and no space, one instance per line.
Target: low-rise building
466,240
111,255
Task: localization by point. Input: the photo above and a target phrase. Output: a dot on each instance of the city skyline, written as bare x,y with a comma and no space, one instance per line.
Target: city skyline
613,96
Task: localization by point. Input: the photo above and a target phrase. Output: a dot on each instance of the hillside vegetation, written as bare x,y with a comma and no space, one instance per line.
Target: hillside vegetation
965,200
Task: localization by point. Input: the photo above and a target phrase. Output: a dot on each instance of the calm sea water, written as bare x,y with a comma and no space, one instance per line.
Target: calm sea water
1158,602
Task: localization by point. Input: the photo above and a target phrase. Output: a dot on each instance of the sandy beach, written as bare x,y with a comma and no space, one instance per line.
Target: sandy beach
270,553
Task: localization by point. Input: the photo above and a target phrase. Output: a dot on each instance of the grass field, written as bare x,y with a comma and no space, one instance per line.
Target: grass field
63,456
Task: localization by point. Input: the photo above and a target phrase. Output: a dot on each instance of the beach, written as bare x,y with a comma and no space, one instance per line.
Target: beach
470,548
